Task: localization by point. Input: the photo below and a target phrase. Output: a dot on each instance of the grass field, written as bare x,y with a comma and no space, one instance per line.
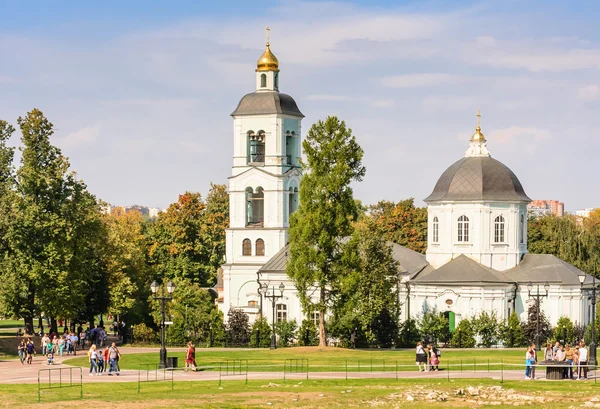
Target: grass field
311,394
327,359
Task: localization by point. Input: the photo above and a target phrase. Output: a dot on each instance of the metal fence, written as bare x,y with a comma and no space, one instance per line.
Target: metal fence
233,368
152,373
63,378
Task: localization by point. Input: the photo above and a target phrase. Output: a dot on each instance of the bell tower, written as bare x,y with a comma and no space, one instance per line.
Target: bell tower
264,182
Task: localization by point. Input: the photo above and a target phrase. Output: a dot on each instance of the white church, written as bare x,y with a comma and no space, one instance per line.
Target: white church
476,259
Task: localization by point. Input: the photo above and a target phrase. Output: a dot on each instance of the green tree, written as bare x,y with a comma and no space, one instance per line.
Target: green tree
308,334
486,325
261,333
463,335
368,292
286,332
409,334
434,327
188,239
324,215
511,332
564,332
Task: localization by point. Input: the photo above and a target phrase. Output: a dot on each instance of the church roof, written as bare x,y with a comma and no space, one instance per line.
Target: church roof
463,270
539,268
411,262
278,262
264,103
478,178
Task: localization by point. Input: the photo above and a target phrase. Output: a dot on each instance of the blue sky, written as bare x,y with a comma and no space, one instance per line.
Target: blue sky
140,92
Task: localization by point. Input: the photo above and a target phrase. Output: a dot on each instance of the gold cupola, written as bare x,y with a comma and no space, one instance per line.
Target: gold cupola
267,61
478,136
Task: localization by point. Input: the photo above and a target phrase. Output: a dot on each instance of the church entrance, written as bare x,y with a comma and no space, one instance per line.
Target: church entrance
450,316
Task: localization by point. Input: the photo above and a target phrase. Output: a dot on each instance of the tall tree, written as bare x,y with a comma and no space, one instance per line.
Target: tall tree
324,215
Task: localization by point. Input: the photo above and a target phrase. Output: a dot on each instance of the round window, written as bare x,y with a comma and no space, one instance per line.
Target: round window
449,302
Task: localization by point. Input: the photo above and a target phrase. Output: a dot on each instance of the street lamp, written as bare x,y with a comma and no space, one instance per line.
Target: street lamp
537,297
592,291
162,298
273,297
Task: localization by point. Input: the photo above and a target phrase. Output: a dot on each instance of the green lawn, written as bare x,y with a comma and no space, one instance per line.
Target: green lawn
5,324
328,394
327,359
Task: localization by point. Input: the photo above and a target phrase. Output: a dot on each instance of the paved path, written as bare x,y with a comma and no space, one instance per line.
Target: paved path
13,372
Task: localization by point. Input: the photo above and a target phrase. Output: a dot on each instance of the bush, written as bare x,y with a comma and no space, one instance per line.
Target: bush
564,331
511,332
286,330
409,334
530,327
486,325
261,334
434,327
463,335
308,335
144,334
238,327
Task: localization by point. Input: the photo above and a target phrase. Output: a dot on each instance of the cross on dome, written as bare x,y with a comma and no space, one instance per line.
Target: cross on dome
477,146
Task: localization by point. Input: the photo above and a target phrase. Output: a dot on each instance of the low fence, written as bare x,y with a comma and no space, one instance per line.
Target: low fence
63,378
153,373
295,366
233,367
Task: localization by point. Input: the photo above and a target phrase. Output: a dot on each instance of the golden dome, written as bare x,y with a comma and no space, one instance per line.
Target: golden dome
267,61
478,135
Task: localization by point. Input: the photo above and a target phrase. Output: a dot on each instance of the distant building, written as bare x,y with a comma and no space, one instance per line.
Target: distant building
153,212
543,207
584,212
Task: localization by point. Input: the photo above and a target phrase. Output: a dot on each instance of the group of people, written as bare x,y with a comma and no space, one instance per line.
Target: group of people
26,351
575,359
99,360
427,358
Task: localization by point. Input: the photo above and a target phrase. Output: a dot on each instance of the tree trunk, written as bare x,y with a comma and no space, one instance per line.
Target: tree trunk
322,339
28,319
53,325
91,321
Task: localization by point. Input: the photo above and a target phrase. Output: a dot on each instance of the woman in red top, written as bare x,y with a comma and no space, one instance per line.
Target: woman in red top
190,357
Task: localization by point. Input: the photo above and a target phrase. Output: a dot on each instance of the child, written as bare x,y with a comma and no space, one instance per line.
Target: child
100,361
433,359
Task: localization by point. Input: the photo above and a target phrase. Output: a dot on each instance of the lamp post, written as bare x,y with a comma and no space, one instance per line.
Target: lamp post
537,297
592,291
162,298
273,297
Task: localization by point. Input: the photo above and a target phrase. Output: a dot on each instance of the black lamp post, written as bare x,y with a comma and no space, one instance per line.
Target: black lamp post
592,291
273,297
162,298
537,297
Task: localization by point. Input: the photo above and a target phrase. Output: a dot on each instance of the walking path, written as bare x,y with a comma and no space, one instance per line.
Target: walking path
13,372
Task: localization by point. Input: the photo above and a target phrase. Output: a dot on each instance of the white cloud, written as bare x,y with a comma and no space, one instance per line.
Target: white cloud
589,93
486,41
80,137
518,134
418,80
534,59
327,97
449,103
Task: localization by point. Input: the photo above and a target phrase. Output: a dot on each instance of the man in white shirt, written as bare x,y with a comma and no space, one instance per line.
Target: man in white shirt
583,361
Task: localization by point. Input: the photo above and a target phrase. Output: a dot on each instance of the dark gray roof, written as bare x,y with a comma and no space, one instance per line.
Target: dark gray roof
478,178
411,262
539,268
272,102
277,262
460,271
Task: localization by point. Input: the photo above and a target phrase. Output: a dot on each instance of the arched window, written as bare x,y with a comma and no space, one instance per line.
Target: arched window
256,147
435,230
293,200
499,229
463,228
255,207
263,80
246,247
276,80
260,247
522,228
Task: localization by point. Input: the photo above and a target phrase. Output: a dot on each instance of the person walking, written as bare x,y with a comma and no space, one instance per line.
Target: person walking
93,359
434,361
190,357
583,361
43,343
114,356
421,357
61,345
22,351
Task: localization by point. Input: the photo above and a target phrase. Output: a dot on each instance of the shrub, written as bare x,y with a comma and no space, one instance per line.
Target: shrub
486,325
511,332
144,334
238,327
463,335
308,335
261,334
564,331
286,330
